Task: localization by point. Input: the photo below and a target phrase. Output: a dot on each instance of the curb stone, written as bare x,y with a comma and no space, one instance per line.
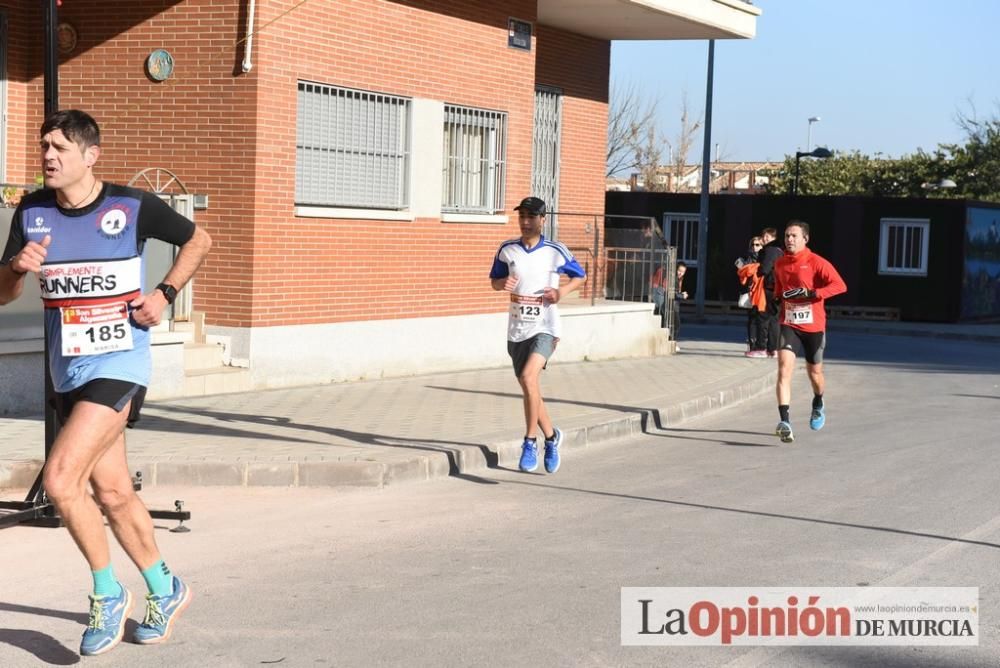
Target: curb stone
460,461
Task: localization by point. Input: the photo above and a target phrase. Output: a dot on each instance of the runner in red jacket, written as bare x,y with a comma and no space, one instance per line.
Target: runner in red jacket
803,281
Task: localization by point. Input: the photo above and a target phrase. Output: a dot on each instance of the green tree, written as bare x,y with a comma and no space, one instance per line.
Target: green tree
855,173
974,166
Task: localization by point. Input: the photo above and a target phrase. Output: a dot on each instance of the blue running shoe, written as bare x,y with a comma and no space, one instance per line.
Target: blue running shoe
784,430
107,623
818,418
161,613
552,451
529,456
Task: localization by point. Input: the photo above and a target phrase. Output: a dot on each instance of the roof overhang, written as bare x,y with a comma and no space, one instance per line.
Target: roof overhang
652,19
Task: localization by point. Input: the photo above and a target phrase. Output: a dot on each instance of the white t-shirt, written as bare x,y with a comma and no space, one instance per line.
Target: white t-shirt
536,268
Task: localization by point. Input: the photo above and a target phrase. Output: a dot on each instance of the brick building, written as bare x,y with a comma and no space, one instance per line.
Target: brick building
358,159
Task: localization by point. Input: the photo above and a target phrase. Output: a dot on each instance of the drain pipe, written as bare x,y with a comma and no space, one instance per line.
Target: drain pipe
247,64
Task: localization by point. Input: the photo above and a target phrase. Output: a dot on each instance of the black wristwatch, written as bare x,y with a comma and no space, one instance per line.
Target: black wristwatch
169,291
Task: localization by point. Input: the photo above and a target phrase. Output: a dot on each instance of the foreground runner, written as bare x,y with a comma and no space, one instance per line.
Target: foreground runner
84,239
528,268
803,280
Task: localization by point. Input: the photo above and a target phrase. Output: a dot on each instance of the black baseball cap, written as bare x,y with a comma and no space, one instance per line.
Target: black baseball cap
531,205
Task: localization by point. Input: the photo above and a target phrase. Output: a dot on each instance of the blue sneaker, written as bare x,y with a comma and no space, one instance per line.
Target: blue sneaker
784,430
552,451
818,418
107,622
161,613
529,456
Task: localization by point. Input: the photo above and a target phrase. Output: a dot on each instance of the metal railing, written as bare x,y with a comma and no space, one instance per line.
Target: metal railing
642,275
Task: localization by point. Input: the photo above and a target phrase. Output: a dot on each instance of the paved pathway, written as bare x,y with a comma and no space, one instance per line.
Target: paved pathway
377,433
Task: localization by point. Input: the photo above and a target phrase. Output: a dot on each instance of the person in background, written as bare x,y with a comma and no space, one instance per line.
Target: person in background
757,341
770,253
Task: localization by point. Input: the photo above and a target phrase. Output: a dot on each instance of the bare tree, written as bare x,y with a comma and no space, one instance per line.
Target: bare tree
968,120
682,144
648,158
631,118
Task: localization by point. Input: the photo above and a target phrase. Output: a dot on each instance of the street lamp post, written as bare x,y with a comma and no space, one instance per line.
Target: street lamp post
811,119
815,153
943,184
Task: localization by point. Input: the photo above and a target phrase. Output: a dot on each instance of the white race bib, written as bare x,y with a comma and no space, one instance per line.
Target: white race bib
526,308
798,314
92,330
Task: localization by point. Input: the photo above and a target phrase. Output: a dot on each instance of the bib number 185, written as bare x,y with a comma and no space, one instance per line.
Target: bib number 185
106,332
97,329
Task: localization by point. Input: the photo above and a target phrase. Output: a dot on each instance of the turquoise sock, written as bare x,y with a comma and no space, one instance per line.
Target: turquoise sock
159,579
105,583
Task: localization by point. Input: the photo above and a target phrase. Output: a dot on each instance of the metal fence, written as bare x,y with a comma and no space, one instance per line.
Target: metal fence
639,267
642,275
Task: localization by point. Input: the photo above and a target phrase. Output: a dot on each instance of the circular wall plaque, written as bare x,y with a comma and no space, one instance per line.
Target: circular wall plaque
159,65
66,36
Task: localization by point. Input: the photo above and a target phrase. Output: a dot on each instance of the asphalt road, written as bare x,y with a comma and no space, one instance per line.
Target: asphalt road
509,569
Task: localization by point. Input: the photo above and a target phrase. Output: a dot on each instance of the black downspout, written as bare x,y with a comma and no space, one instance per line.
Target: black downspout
51,105
51,57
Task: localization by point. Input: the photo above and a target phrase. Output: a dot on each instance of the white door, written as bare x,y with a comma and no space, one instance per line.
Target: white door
159,256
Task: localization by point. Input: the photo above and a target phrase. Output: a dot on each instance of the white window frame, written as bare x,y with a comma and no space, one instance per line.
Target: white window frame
901,231
687,243
474,167
373,139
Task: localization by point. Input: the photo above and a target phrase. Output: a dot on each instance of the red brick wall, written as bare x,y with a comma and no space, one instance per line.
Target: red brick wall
232,136
199,123
450,51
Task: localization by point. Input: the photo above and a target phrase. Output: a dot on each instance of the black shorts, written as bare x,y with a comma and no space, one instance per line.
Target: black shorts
520,351
106,392
799,342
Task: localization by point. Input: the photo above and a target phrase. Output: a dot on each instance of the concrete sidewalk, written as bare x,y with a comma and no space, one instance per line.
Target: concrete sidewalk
378,433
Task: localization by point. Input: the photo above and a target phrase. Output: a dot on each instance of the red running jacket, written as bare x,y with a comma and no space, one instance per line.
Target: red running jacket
805,269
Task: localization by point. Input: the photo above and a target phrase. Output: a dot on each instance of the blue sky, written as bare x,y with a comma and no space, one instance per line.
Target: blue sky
885,76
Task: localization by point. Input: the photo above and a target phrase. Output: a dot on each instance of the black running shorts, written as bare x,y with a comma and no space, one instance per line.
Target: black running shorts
114,394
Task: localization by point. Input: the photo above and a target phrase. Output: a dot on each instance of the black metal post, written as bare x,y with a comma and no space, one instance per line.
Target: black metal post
36,508
51,57
706,166
52,425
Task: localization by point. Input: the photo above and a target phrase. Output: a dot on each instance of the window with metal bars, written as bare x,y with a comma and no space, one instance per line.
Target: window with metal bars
352,148
475,153
682,231
903,244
